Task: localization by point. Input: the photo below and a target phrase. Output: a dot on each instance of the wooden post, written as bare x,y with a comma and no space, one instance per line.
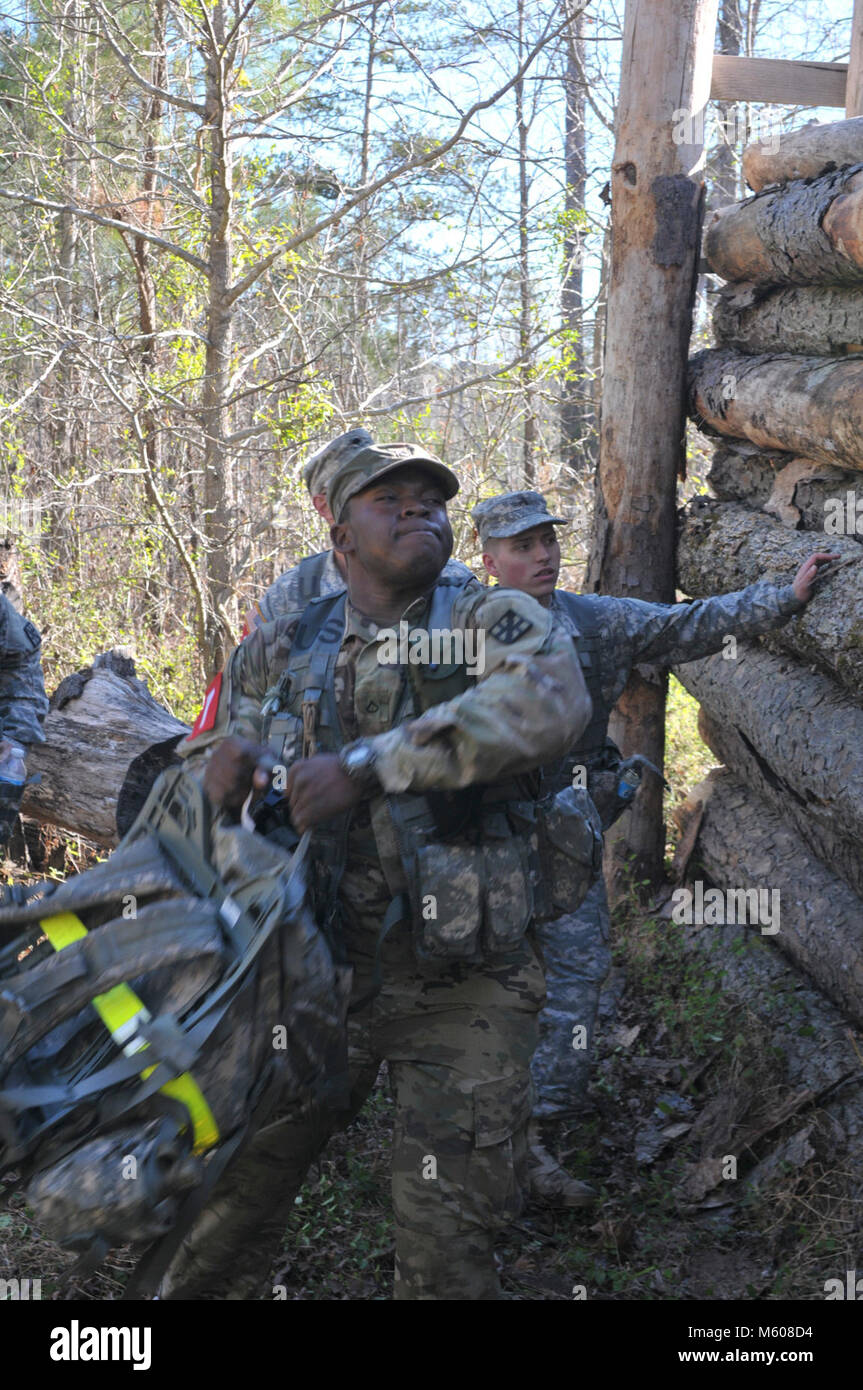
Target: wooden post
854,82
657,198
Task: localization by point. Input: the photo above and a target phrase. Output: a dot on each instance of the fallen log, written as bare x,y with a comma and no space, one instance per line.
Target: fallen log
809,406
723,546
106,741
796,491
799,727
816,828
804,154
805,233
817,320
743,844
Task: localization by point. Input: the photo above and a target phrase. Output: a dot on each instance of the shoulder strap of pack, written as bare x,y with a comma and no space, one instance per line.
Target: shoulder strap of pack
310,573
582,611
318,640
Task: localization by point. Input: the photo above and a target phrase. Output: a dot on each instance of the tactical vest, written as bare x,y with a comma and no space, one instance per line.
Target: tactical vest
594,746
466,855
612,780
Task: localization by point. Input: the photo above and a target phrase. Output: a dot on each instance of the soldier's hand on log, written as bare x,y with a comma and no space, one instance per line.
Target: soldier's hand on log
804,580
317,788
237,767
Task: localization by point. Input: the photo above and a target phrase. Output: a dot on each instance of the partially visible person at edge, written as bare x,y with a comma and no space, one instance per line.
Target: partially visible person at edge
521,551
23,706
325,572
414,782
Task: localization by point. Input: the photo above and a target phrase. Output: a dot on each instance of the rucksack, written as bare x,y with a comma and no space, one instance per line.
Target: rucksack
154,1011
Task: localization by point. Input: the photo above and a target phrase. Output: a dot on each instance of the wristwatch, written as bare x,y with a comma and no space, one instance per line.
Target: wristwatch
359,761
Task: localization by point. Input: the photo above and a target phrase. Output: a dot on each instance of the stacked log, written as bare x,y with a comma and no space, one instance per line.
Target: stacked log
781,394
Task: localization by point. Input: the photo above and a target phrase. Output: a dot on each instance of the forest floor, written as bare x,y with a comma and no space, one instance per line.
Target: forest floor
671,1046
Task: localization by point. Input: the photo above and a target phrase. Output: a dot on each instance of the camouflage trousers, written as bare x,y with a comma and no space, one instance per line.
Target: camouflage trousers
577,958
458,1041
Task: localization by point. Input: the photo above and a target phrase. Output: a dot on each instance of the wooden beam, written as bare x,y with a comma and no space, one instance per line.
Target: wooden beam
854,89
779,81
657,192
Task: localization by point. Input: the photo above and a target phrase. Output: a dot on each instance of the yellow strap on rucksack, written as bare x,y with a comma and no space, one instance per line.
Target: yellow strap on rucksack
121,1010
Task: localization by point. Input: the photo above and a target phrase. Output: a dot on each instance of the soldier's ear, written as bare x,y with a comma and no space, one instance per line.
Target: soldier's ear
341,537
490,564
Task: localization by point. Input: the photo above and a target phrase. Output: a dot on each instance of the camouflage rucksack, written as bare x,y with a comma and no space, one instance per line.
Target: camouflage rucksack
154,1011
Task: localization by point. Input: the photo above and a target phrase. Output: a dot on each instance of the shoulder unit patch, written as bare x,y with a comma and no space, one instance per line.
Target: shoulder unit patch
510,627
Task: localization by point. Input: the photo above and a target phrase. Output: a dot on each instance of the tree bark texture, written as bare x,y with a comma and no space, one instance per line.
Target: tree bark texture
724,547
801,1104
810,406
577,420
796,491
657,209
817,832
801,234
102,727
798,726
742,844
813,319
804,154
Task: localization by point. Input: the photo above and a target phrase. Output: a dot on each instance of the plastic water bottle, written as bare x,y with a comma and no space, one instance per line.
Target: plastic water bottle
629,781
13,769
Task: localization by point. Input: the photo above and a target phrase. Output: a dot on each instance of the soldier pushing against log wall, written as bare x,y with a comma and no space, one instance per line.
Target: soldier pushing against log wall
612,635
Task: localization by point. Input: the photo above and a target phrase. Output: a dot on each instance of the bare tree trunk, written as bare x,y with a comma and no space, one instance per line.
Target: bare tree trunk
525,314
656,206
723,180
59,535
578,422
151,444
364,222
215,415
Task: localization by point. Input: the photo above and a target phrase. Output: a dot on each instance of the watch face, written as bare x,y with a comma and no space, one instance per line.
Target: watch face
356,759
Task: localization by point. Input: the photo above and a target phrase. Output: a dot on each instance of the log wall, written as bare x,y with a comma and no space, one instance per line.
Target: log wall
781,396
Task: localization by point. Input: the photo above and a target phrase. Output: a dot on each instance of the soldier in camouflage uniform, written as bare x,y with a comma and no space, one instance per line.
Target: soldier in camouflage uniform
325,573
460,984
23,703
521,551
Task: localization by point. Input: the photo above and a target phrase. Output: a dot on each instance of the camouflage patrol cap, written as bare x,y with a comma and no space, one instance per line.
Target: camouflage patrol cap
318,469
511,513
362,469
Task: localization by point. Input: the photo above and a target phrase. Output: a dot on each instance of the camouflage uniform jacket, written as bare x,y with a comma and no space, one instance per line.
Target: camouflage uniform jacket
284,594
528,707
522,706
23,703
632,631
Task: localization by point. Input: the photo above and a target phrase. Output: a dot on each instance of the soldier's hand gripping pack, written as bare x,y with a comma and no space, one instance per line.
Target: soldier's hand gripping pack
153,1010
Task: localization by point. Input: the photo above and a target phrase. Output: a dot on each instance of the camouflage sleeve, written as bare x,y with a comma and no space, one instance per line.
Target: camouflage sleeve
23,702
238,692
529,706
678,632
